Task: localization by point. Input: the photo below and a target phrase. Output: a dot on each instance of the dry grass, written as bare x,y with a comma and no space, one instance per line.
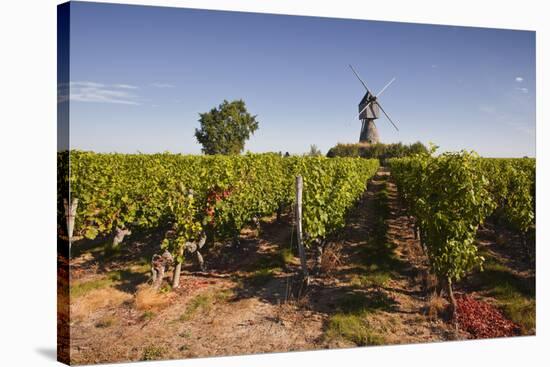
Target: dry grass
96,299
331,258
435,307
148,299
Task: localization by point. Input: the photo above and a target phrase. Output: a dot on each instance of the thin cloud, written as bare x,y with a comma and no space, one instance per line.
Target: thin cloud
125,86
162,85
519,79
523,90
102,93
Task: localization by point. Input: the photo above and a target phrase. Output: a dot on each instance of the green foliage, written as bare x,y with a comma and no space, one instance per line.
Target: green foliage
378,151
331,187
314,151
221,192
224,130
183,216
513,189
449,196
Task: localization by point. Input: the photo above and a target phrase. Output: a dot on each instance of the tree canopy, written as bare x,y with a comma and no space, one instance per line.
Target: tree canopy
379,150
225,129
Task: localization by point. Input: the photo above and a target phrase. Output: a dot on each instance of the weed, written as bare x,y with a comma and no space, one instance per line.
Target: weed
79,289
105,322
152,353
353,328
185,334
223,295
262,276
201,303
375,279
362,303
287,257
514,295
147,315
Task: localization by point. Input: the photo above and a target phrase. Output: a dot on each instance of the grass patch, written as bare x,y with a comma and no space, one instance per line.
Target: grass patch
126,279
185,334
375,279
199,304
514,295
79,289
203,303
147,315
105,322
223,295
353,328
364,303
141,268
267,261
287,257
152,353
262,276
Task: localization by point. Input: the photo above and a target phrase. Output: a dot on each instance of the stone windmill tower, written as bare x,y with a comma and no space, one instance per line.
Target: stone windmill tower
369,110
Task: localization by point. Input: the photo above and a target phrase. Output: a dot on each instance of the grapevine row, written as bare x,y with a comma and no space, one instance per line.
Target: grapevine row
220,193
452,194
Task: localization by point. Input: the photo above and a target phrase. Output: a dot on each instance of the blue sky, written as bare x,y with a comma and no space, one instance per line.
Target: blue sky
140,76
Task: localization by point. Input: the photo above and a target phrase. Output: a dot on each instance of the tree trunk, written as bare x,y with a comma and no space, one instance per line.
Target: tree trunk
299,234
118,238
200,260
279,212
158,276
452,300
319,246
177,271
70,214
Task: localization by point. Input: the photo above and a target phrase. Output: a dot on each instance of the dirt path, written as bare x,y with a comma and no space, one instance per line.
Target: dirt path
372,294
408,287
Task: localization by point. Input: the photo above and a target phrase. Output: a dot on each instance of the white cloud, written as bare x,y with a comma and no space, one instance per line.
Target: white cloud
125,86
519,79
523,90
163,85
83,91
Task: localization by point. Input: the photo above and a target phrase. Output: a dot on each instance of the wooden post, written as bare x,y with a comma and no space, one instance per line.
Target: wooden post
298,211
70,214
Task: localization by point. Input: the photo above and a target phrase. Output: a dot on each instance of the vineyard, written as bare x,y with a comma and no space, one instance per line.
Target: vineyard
389,247
453,194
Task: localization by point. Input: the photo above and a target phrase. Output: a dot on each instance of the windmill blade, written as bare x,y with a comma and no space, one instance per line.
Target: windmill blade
389,118
383,89
364,108
361,80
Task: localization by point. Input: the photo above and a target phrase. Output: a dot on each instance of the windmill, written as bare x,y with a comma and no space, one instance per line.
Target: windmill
369,110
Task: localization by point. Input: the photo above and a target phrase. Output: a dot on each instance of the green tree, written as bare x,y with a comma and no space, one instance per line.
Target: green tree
314,151
225,129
